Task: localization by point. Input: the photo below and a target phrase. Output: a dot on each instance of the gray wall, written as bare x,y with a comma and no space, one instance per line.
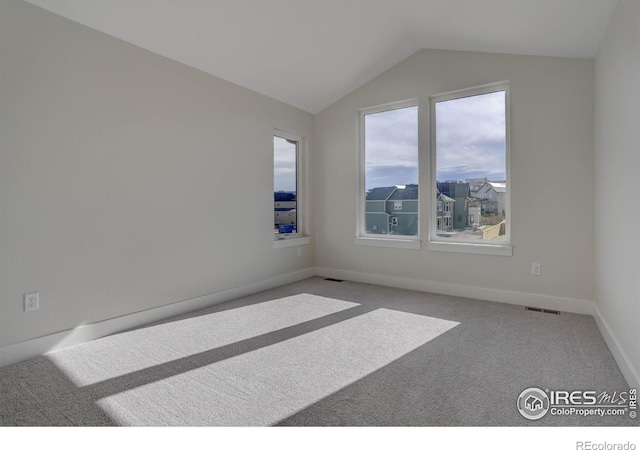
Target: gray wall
118,171
617,154
551,170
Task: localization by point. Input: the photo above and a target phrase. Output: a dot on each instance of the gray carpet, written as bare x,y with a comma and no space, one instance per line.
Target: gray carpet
316,353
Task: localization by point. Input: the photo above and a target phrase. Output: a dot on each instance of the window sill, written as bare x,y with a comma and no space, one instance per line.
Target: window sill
414,244
478,249
291,242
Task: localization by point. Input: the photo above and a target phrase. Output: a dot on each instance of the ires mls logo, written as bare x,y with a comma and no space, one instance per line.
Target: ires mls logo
534,403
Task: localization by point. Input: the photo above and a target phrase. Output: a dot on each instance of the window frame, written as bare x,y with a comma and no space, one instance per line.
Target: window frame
300,237
504,248
383,240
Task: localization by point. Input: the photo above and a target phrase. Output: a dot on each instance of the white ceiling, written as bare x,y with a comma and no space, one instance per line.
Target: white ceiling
310,53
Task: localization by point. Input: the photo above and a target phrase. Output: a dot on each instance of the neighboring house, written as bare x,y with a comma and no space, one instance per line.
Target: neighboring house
402,206
444,213
285,212
460,192
492,195
377,219
475,184
392,210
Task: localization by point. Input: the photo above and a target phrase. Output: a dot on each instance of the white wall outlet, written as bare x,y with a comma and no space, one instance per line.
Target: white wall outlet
31,301
299,252
536,269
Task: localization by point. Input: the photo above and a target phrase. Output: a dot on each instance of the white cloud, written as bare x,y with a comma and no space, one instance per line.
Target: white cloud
284,165
471,137
470,141
391,154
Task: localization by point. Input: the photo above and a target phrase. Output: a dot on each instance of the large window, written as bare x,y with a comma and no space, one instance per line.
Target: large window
469,142
389,163
285,180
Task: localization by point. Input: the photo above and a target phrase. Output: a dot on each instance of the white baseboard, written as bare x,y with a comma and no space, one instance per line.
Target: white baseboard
495,295
628,370
28,349
21,351
626,367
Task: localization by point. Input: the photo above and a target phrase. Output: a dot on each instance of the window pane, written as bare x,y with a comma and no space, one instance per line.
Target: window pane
391,172
285,176
471,169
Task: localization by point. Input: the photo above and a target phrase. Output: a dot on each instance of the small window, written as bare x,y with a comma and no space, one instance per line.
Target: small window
285,180
469,141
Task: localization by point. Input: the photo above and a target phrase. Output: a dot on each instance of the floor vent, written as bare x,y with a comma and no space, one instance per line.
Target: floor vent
334,279
548,311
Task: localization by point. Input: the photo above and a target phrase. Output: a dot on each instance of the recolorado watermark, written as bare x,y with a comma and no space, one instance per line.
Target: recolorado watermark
588,445
535,403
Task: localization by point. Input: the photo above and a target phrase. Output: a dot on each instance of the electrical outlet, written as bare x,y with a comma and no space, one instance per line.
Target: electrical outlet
299,252
31,301
536,268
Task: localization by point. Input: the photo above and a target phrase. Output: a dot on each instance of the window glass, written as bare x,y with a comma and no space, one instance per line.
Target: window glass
391,171
471,166
285,176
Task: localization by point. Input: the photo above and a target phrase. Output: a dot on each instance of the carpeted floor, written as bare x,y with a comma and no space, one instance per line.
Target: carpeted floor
317,353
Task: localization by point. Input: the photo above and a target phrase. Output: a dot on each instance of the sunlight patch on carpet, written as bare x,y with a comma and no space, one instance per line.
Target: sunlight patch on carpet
124,353
266,385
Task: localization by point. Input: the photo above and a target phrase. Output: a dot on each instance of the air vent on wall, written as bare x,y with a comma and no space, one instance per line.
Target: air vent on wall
548,311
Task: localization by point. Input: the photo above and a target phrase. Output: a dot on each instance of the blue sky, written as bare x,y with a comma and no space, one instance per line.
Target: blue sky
470,142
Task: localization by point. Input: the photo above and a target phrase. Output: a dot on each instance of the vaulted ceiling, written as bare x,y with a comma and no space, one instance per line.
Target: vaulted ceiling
310,53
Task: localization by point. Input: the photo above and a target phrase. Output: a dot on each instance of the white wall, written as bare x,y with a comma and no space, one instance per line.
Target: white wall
552,184
119,173
617,156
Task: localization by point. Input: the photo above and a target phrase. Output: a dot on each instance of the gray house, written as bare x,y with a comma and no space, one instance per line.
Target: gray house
476,183
460,192
444,213
392,210
492,194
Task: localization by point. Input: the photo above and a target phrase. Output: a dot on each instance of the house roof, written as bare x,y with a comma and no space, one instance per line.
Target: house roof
282,48
444,198
476,183
409,192
453,188
497,186
380,193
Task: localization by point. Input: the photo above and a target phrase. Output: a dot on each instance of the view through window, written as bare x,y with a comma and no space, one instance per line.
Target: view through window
471,166
285,180
391,171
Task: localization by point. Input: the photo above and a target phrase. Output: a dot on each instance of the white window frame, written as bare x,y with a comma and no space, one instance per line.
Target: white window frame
504,248
300,237
384,240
